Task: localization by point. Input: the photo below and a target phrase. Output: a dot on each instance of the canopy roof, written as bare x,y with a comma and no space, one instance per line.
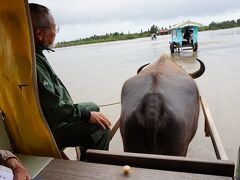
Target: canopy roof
186,23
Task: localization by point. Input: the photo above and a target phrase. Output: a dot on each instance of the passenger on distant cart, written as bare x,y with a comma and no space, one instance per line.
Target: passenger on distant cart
154,36
188,35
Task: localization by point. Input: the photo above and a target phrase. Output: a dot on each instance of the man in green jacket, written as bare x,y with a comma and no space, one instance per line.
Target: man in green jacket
71,124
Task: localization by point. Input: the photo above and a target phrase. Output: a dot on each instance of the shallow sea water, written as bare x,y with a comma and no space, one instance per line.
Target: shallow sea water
97,72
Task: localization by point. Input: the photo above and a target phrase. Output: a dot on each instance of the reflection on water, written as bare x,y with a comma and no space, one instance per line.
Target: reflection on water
96,73
185,55
187,60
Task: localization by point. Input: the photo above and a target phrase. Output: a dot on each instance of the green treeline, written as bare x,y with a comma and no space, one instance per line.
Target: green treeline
153,29
103,38
221,25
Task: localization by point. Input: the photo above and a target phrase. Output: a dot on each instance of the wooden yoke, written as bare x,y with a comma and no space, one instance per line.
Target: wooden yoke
24,121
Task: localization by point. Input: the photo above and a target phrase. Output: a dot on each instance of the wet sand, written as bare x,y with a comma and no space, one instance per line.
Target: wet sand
96,73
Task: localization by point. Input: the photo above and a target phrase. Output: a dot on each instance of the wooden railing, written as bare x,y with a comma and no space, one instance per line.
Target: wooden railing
161,162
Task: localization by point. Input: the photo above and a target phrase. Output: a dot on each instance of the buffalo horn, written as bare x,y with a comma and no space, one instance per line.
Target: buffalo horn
199,72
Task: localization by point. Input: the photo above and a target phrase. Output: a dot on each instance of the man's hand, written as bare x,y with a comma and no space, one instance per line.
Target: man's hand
20,173
100,119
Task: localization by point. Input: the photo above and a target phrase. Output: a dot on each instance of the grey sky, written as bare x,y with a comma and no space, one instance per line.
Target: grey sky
82,18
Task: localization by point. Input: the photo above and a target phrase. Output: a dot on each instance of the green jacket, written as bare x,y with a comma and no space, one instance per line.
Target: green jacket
55,100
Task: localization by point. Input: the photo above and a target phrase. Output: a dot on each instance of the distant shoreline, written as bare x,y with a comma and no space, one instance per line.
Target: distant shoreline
120,36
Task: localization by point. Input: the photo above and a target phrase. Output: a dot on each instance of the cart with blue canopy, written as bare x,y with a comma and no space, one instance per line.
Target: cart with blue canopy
184,34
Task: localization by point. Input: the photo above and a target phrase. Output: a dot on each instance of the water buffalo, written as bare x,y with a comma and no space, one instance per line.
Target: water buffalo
160,109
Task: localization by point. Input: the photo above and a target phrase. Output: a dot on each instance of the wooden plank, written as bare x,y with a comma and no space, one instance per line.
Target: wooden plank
212,131
161,162
59,169
115,128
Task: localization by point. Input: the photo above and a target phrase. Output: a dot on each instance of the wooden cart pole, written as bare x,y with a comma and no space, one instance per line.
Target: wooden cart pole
211,130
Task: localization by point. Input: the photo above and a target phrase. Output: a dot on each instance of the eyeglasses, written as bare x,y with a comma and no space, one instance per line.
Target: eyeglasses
55,29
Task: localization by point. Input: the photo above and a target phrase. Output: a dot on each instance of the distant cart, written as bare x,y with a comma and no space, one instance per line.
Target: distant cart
153,36
184,35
